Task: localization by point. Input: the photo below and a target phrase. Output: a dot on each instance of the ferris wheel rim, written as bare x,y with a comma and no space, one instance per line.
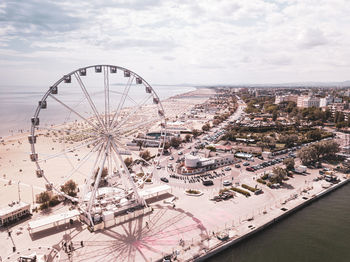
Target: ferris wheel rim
75,72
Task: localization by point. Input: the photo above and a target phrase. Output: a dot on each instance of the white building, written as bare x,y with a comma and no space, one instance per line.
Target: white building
325,101
285,98
308,101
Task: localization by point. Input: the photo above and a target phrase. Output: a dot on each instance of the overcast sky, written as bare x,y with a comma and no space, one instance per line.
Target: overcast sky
173,42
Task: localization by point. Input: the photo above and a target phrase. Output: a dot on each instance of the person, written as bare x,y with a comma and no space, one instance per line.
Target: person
147,224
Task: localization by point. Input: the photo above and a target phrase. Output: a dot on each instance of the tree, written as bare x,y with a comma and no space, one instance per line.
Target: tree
195,132
70,188
289,163
175,142
206,127
44,197
188,138
212,148
289,140
274,116
128,161
279,174
307,155
315,134
146,155
139,144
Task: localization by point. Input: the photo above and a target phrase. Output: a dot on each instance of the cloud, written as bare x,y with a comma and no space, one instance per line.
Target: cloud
256,39
311,38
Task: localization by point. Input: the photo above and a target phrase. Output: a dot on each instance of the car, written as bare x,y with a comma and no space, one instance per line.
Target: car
170,165
171,158
159,167
164,179
179,153
228,168
250,169
260,157
208,182
246,164
237,165
227,183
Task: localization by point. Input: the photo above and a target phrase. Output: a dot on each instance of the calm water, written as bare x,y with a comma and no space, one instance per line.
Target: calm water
320,232
18,103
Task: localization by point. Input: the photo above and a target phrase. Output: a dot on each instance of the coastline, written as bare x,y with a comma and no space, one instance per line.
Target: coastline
235,240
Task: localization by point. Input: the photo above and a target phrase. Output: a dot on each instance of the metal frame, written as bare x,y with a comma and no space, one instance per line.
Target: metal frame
107,129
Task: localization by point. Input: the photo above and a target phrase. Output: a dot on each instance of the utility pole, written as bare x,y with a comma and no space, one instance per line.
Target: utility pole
19,192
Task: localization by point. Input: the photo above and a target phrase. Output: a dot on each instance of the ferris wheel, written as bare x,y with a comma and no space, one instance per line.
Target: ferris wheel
103,127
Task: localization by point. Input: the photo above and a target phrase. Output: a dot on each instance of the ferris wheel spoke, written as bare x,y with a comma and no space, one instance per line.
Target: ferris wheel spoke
93,171
70,149
75,112
92,105
122,100
138,126
116,151
67,131
132,113
106,90
82,162
98,178
130,152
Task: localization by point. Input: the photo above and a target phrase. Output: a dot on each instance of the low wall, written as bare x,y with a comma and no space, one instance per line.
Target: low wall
287,213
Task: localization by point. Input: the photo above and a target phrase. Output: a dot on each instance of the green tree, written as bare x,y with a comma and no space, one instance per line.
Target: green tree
44,197
188,138
175,142
70,188
279,175
289,163
195,132
128,161
146,155
206,127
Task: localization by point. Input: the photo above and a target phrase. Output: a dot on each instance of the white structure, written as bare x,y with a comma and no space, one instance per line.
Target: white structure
308,101
325,101
286,98
14,212
52,221
191,161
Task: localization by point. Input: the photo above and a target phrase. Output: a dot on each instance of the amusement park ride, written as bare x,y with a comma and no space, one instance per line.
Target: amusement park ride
91,115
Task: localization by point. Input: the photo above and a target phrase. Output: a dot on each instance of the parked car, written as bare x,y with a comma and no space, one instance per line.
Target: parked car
171,158
228,168
227,183
208,182
164,179
246,164
237,165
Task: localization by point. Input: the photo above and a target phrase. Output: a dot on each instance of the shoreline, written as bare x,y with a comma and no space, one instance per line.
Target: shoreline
234,241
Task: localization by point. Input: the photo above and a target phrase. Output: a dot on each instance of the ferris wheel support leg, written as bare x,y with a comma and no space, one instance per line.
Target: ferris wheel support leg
97,181
139,199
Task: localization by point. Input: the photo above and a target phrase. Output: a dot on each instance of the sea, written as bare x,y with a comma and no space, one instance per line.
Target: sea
18,103
319,232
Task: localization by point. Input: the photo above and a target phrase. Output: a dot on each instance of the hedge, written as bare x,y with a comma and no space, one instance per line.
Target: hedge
261,181
243,192
252,189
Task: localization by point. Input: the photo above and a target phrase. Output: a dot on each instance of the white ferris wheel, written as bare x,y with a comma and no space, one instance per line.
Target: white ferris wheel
84,128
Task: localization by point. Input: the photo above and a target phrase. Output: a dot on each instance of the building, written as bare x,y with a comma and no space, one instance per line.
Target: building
14,212
285,98
325,101
197,164
308,101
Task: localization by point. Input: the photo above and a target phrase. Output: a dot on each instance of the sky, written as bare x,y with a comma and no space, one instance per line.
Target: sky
201,42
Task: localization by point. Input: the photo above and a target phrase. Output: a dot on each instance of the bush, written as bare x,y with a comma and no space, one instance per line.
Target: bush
192,191
265,176
54,201
269,184
261,181
44,206
243,192
251,189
